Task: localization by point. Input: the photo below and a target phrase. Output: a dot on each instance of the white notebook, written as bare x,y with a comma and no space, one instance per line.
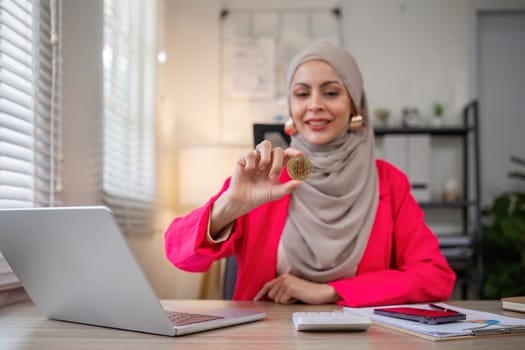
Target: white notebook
476,323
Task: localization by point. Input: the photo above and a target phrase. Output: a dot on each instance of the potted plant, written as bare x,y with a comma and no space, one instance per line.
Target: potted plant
437,111
382,115
504,242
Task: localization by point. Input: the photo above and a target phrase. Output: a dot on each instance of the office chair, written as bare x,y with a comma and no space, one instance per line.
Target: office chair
276,134
272,132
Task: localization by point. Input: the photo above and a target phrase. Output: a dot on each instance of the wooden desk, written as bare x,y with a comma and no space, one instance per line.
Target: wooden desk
23,327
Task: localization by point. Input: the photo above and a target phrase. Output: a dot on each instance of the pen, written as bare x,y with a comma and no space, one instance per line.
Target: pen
435,306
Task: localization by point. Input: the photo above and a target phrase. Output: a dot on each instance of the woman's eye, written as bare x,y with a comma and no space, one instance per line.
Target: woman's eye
301,94
332,93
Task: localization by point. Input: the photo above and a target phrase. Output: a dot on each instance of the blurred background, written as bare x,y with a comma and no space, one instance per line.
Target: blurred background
152,100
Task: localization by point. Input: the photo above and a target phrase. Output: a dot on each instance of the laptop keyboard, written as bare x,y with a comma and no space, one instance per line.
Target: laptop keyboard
183,318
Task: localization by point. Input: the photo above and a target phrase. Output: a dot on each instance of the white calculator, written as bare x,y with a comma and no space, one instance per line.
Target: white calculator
330,321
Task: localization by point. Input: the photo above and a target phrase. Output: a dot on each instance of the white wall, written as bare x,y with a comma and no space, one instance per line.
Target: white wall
193,53
411,52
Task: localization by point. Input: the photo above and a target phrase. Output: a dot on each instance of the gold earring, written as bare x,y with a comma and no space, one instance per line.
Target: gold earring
289,127
356,123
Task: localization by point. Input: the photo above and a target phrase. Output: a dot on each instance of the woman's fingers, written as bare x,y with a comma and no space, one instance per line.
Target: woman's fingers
270,290
277,290
266,158
289,153
270,159
251,161
277,163
264,290
274,160
279,294
267,162
284,189
264,150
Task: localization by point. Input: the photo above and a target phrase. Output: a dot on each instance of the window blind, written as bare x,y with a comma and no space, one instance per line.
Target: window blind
30,122
130,50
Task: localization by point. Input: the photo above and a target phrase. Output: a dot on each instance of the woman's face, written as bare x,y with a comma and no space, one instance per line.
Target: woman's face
319,102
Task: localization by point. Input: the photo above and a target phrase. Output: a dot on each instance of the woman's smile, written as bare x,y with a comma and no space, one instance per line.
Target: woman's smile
318,124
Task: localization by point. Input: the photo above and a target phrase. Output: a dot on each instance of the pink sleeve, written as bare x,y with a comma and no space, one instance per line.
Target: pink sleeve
418,272
186,243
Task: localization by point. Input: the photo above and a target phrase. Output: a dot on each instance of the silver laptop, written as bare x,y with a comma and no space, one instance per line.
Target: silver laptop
75,265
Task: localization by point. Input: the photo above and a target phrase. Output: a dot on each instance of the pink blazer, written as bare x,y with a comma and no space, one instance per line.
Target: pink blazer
401,264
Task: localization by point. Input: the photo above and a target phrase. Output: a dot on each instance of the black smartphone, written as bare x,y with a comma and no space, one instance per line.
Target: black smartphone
422,315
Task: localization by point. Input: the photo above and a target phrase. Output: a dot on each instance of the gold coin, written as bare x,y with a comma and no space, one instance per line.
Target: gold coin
299,168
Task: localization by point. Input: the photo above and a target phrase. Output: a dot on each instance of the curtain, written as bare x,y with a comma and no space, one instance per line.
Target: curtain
30,118
130,56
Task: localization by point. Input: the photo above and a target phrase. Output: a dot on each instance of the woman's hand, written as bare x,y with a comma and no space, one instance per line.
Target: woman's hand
255,181
255,178
288,289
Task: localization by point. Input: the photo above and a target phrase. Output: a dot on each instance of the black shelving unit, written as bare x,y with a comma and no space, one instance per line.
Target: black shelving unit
463,250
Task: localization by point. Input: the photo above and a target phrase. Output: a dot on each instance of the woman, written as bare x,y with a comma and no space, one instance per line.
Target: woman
350,234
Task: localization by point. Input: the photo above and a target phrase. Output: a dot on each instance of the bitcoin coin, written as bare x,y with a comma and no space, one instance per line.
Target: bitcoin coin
299,168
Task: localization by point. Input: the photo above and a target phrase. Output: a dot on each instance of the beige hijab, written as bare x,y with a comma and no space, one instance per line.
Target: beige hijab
331,214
